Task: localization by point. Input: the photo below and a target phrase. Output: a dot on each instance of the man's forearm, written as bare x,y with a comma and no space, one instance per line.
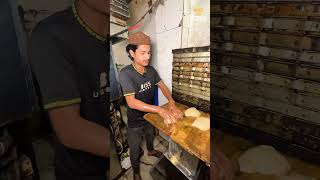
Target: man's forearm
78,133
89,137
141,106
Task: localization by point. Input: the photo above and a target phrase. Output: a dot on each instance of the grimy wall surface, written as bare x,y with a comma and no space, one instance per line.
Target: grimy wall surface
266,68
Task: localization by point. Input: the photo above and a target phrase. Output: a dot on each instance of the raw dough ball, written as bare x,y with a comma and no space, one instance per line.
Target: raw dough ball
202,123
265,160
193,112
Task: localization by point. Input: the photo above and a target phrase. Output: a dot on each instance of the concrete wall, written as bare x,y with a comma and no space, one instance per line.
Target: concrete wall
168,37
196,23
172,24
120,55
137,9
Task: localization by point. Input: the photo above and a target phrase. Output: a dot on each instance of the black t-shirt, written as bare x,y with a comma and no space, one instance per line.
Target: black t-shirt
71,65
142,86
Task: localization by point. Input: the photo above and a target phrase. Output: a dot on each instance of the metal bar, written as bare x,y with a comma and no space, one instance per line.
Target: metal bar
182,160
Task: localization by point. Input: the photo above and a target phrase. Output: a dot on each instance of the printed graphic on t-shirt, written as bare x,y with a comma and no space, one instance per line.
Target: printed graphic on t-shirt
145,86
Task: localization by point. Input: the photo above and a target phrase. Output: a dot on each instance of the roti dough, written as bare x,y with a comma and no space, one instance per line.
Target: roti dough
202,123
265,160
192,112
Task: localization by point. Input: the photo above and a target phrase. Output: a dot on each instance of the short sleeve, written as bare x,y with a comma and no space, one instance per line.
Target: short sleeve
53,70
156,76
126,83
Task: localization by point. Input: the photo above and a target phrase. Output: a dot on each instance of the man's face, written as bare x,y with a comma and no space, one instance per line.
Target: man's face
142,55
102,6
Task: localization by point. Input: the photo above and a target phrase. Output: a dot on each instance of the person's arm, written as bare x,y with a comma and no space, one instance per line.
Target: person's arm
78,133
171,103
134,103
57,78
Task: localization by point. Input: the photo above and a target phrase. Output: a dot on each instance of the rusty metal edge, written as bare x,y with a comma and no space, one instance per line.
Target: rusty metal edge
260,137
192,49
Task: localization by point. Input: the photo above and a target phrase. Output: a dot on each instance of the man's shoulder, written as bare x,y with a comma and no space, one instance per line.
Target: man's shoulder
126,69
57,22
151,69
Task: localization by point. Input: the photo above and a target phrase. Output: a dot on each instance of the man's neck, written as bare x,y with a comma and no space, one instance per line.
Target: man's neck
98,22
139,68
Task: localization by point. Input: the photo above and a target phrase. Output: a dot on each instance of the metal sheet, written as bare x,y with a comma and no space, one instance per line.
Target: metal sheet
223,106
238,61
297,84
291,129
266,56
280,9
251,88
280,107
310,73
191,65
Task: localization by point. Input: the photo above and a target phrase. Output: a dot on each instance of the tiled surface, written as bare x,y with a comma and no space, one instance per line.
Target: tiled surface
146,162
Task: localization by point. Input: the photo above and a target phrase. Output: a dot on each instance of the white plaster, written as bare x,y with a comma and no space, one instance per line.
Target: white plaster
162,25
199,25
166,41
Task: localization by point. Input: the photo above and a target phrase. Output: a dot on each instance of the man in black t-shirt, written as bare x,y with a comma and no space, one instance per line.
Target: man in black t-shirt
70,60
138,82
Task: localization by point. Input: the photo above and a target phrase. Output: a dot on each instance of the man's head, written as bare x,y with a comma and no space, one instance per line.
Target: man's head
139,48
101,6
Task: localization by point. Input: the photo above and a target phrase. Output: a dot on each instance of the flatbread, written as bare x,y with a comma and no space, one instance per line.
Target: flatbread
202,123
192,112
265,160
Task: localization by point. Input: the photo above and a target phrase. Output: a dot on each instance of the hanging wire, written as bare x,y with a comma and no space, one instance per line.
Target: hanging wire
135,24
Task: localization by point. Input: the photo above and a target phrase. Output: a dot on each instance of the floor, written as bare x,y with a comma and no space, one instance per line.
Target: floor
146,162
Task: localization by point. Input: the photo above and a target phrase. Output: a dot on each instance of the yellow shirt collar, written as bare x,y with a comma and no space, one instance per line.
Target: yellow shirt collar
85,26
145,69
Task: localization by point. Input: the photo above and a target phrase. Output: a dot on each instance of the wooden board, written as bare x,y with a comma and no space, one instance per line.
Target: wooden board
191,139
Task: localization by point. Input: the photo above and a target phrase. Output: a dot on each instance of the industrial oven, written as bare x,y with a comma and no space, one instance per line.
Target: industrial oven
265,73
191,77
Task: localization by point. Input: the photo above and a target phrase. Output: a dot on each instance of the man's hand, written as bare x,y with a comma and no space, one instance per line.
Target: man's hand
172,107
176,112
134,103
167,116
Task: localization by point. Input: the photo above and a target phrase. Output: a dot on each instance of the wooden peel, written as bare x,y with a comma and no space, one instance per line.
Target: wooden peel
191,139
